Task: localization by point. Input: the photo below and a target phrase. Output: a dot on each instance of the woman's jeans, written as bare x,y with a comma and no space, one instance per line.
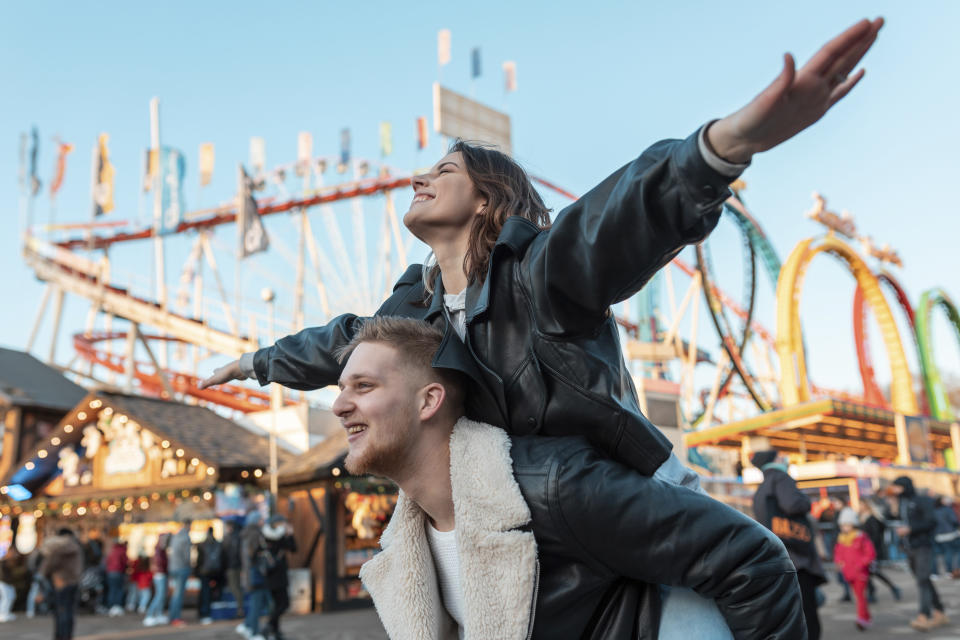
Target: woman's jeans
115,589
155,610
179,579
259,601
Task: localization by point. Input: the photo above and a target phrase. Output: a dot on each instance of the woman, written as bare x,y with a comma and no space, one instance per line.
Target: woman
525,306
158,566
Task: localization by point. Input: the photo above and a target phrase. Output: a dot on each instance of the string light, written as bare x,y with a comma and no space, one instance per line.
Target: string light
244,474
336,471
257,473
207,495
81,415
42,453
55,441
81,511
211,471
194,462
179,453
29,466
95,404
165,444
112,508
68,428
107,411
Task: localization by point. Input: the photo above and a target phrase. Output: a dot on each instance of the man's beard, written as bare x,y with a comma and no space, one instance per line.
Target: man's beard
382,457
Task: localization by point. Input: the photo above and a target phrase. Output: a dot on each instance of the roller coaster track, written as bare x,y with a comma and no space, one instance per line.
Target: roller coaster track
940,407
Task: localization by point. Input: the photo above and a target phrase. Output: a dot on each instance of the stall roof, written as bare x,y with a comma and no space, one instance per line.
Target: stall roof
27,382
820,427
316,462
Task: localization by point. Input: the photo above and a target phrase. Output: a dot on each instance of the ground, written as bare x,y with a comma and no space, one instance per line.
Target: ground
890,621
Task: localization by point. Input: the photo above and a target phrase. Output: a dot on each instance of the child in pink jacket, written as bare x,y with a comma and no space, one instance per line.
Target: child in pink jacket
853,554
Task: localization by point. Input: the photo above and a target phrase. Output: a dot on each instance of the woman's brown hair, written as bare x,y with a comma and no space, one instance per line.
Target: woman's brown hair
508,192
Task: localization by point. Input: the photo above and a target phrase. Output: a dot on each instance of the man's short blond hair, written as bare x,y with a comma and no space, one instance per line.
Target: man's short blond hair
417,342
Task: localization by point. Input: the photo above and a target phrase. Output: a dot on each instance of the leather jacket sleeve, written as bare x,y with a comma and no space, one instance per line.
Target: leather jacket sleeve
605,246
638,527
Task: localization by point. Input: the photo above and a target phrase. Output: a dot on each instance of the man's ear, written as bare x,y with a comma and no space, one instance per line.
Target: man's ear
431,398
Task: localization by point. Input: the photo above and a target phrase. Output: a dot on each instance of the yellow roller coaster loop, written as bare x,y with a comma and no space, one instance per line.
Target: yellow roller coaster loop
794,384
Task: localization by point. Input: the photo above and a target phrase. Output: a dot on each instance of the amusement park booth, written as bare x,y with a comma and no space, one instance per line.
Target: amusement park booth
840,446
126,465
337,519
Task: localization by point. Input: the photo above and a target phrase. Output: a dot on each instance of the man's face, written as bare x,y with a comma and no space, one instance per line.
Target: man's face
377,406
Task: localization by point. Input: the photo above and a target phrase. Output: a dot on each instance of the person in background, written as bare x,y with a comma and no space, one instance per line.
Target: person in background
178,557
279,541
871,523
158,566
210,573
62,565
252,548
853,554
946,536
116,577
7,593
141,578
234,565
39,586
94,578
916,511
778,496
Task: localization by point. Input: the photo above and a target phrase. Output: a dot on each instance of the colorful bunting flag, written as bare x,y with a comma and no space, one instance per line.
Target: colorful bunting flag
344,147
102,177
475,66
443,47
304,152
386,139
258,155
423,135
63,148
172,167
253,236
510,75
205,163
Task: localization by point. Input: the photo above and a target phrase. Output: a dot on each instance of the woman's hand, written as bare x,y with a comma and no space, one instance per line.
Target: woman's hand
796,99
221,375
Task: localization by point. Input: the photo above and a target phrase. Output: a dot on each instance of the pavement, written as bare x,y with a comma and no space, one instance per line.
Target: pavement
891,620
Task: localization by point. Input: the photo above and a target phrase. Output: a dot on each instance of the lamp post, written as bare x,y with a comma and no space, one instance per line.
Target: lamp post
275,394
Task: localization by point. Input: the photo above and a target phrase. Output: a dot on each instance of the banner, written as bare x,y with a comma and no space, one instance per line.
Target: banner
475,63
102,178
258,155
172,168
386,139
63,148
510,76
252,235
205,163
423,136
443,47
34,150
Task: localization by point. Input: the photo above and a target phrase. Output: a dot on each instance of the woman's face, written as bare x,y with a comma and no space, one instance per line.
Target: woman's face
444,201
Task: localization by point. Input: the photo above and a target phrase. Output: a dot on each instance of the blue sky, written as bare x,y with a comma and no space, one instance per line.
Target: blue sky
598,82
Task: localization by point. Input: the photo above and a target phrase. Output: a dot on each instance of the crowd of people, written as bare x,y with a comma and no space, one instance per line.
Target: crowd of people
250,564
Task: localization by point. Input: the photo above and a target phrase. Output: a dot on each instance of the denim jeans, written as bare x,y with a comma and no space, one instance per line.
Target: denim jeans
206,597
179,579
115,588
63,602
921,564
155,610
259,601
32,597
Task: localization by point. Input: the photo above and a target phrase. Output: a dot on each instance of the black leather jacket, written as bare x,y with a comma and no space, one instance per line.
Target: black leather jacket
542,352
607,536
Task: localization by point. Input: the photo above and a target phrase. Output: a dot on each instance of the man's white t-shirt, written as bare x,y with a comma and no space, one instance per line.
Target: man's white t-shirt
443,546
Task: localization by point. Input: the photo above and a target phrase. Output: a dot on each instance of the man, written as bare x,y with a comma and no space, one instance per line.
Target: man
209,571
535,537
252,544
231,555
781,507
916,511
178,565
62,565
278,541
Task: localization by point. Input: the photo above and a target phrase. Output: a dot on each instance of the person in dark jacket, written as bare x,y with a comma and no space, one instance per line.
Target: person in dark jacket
916,534
780,506
946,536
871,522
534,537
278,537
210,572
234,564
62,565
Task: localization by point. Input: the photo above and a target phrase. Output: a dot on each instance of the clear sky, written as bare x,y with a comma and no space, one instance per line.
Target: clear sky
598,82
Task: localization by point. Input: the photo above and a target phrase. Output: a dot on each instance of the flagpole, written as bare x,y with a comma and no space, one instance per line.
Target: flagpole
158,216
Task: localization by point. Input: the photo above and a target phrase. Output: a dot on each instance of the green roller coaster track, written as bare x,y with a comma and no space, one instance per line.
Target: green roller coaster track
940,408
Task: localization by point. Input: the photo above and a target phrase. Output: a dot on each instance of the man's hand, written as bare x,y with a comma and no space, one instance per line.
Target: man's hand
796,99
903,531
226,373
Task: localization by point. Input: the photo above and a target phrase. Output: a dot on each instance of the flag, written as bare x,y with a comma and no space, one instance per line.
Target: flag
34,149
475,58
150,165
252,235
422,135
102,178
386,139
205,163
172,167
344,147
510,75
304,152
258,155
63,148
443,47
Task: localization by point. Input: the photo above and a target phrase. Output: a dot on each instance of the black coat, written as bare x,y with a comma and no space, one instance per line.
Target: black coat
607,536
277,577
792,502
542,352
